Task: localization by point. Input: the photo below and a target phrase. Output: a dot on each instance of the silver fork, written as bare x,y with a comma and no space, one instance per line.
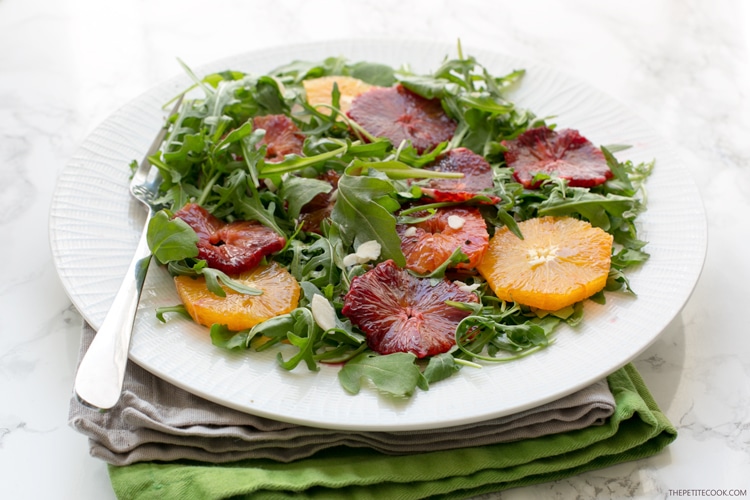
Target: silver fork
102,370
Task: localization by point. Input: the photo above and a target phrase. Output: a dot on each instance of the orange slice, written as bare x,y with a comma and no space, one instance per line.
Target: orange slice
240,311
428,244
559,262
318,90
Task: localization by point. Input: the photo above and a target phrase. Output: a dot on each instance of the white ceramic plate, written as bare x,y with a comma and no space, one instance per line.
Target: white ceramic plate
94,227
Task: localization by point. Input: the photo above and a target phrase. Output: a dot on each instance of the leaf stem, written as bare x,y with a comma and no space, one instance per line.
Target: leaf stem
207,189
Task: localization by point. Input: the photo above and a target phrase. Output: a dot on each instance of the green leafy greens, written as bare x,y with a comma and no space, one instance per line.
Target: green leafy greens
214,156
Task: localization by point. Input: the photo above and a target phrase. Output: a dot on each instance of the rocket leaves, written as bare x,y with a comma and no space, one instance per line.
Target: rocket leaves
363,211
396,374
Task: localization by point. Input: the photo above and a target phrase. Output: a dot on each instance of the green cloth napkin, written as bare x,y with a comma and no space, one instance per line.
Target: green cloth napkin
637,429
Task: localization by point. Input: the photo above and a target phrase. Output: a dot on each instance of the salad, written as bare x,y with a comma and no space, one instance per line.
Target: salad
400,226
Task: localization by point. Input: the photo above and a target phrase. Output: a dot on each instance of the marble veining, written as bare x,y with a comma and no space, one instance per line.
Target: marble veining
681,65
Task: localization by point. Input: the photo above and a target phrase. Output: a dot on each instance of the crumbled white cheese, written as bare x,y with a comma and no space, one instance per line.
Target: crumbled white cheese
367,251
323,312
270,185
351,260
466,288
456,222
411,231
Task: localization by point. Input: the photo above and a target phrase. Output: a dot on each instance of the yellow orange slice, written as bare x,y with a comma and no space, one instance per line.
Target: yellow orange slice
560,261
318,90
240,311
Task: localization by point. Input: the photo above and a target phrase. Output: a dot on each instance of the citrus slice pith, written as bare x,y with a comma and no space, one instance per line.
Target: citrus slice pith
240,311
318,91
560,261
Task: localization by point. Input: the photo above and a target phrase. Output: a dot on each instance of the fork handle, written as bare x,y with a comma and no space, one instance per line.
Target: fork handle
102,370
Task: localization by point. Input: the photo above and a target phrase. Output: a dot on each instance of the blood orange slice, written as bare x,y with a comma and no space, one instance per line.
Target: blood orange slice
560,261
477,177
282,137
565,154
401,313
428,244
399,114
231,248
240,311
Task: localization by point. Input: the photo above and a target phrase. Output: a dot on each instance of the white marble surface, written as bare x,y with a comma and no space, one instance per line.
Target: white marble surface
683,65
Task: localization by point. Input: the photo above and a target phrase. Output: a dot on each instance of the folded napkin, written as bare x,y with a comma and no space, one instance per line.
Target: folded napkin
162,442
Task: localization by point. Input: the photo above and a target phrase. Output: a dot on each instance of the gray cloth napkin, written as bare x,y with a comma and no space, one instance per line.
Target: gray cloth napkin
156,421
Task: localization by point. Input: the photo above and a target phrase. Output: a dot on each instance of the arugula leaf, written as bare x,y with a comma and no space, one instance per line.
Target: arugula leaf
178,309
253,208
293,163
594,207
409,155
398,170
235,135
269,96
373,73
486,102
457,257
215,278
272,331
395,374
440,367
362,217
215,78
628,257
619,173
303,335
171,239
503,332
222,337
298,191
320,267
429,87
